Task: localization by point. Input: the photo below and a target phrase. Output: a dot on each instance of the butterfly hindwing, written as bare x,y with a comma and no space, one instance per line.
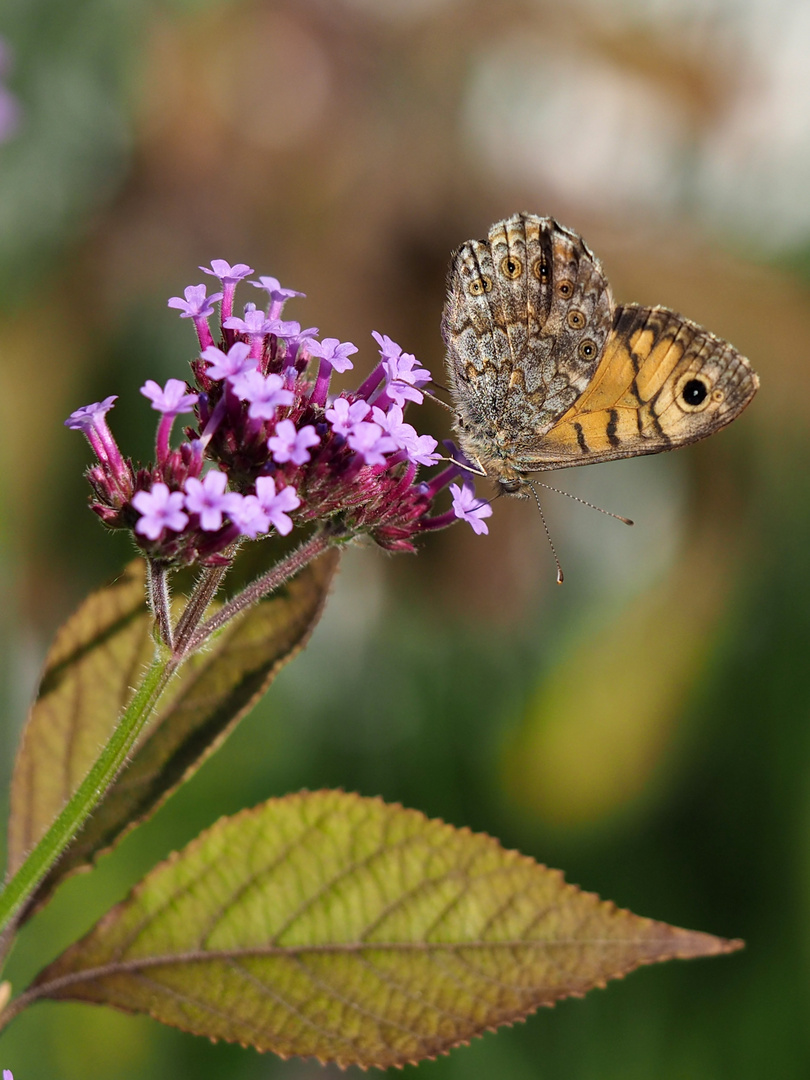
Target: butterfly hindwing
662,382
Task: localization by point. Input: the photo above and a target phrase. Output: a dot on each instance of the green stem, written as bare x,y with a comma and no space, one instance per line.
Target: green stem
274,578
91,790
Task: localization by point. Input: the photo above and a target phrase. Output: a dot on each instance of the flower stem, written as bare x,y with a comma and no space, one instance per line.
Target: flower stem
199,600
159,600
261,587
91,790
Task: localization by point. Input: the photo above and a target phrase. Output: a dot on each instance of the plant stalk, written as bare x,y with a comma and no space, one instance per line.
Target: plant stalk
258,589
90,791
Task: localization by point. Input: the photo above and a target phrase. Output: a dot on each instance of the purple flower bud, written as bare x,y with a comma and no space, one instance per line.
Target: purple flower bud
91,420
159,509
469,508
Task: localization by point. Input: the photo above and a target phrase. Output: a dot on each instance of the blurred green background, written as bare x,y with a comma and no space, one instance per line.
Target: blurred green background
646,727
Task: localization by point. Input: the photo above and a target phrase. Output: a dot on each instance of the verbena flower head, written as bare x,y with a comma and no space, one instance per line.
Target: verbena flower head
269,447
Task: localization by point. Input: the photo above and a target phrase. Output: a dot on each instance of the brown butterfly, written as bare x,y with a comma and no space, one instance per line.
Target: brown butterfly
547,372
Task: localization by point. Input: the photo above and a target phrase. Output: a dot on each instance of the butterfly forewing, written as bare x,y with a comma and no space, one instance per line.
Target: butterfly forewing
527,315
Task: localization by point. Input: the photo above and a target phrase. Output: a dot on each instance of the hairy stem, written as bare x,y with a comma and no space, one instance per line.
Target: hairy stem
90,791
159,600
201,597
261,587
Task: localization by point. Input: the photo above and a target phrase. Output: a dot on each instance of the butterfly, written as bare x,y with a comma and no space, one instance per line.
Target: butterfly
547,372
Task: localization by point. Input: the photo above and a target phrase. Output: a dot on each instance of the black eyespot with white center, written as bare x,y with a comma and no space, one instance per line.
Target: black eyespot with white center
694,393
511,267
479,286
587,349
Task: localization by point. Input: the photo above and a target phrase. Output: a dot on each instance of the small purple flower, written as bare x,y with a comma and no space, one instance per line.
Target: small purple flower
264,392
389,350
288,329
371,443
197,306
404,377
468,507
226,273
422,451
254,323
230,276
289,444
419,448
160,509
209,499
276,505
91,421
7,1074
228,365
278,296
196,303
247,515
171,401
335,352
344,415
88,416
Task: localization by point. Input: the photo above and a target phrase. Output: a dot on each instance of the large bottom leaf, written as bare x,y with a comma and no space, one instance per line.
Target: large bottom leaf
332,925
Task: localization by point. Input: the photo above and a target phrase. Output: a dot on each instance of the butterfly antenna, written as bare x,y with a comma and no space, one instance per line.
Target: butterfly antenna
548,534
584,502
438,400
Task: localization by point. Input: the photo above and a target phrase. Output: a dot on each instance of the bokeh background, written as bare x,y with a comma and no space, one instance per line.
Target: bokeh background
646,727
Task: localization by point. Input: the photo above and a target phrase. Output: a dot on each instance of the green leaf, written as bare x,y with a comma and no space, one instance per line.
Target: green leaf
88,675
332,925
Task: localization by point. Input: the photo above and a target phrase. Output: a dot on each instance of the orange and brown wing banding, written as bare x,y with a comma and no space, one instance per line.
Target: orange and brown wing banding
633,405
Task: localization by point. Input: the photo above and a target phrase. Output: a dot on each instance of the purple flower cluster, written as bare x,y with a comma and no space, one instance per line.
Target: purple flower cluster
269,446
